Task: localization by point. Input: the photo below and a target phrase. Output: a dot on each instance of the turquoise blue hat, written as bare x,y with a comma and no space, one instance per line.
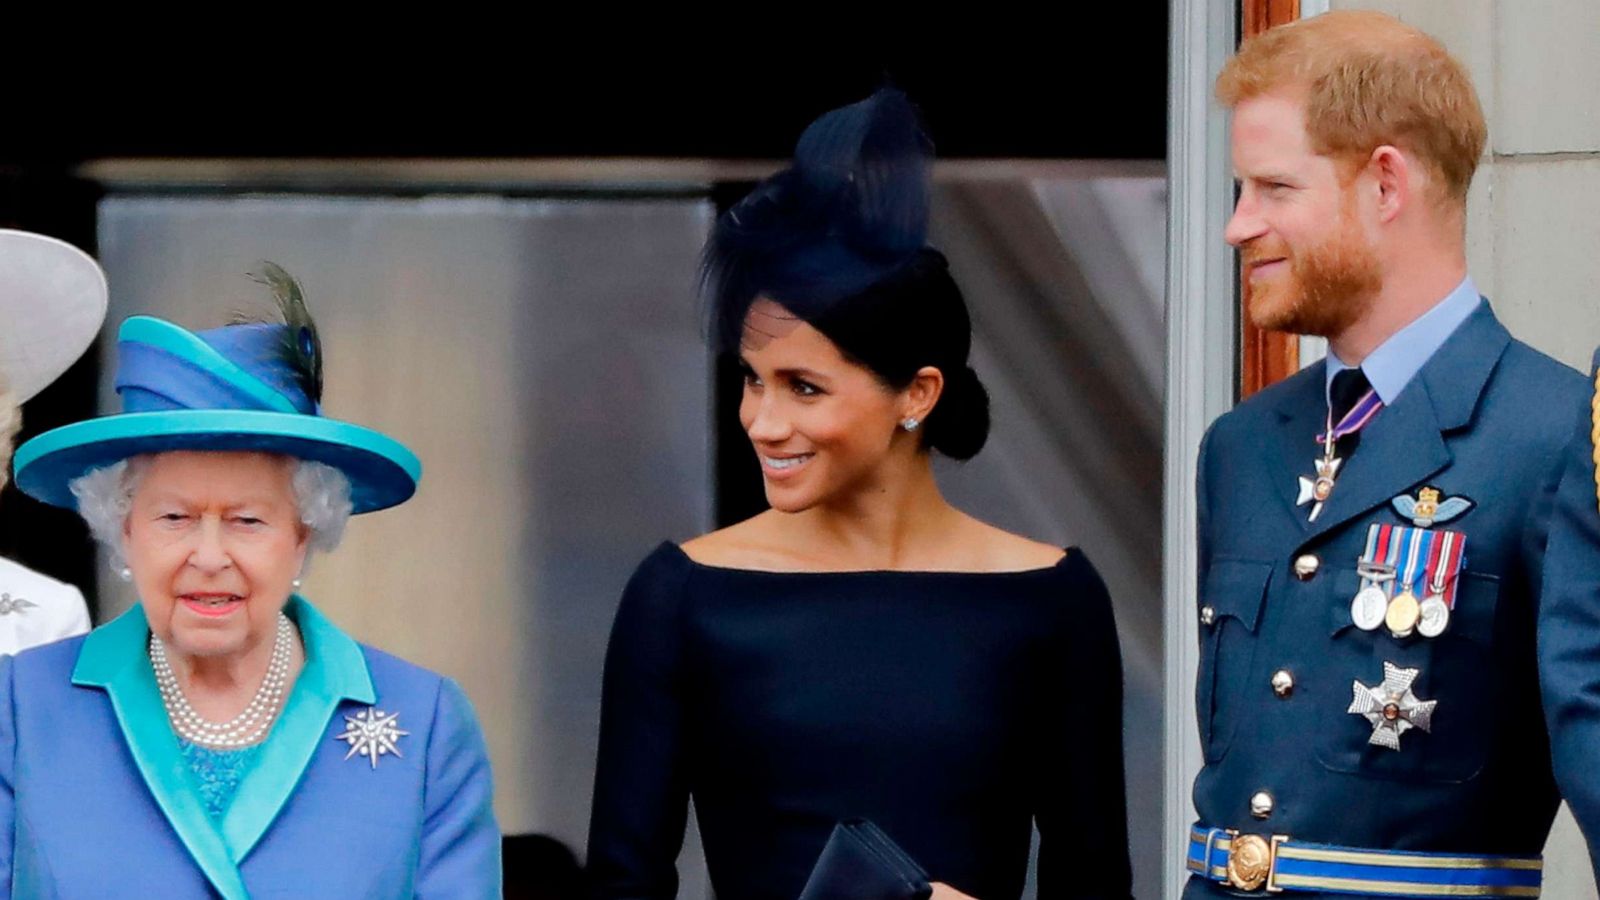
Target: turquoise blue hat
250,387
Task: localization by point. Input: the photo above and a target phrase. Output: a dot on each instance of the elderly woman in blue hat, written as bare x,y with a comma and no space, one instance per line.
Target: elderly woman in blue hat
222,737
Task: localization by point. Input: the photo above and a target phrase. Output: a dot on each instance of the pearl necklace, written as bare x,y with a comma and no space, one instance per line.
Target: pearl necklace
243,730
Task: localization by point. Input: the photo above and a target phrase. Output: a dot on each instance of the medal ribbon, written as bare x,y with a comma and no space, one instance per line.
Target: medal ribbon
1419,547
1354,420
1446,566
1441,549
1390,541
1372,556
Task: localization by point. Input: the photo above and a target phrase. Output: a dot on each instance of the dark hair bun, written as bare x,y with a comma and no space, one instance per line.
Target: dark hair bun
959,423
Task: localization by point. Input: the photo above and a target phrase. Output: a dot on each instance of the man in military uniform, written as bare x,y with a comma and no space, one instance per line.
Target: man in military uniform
1569,626
1372,529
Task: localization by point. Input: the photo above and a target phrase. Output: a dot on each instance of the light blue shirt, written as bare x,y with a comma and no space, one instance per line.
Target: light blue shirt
1398,360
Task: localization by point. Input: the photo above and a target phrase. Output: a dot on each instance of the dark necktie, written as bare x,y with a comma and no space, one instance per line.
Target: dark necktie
1349,386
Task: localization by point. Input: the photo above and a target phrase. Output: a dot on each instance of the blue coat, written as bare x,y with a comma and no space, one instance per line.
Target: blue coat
1486,419
96,799
1569,635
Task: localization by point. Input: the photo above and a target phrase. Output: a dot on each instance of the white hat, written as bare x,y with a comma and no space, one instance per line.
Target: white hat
52,302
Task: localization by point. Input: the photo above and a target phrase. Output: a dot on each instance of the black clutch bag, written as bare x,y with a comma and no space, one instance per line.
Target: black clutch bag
860,862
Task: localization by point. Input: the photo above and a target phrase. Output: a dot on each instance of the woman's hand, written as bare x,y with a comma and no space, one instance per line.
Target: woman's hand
946,892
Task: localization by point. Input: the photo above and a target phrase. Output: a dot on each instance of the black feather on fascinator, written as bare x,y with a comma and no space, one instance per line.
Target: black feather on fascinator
851,210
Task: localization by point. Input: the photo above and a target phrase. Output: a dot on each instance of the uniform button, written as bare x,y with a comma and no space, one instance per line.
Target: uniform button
1261,805
1282,683
1306,567
1208,614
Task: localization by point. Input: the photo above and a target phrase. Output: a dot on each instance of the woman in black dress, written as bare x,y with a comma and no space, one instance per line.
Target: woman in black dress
863,648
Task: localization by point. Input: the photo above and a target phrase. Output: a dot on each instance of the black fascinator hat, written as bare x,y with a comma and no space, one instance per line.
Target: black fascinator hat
851,210
839,239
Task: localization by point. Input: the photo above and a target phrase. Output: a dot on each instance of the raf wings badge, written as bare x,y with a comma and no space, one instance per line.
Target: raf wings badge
1430,507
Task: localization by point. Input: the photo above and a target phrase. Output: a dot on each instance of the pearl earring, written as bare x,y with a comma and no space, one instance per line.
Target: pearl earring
911,423
126,574
295,584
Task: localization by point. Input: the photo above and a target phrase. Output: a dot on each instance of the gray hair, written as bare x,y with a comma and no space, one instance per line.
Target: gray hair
105,495
10,424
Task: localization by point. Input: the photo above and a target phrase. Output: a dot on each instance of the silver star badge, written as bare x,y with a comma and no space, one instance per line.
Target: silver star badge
1391,707
372,733
10,604
1316,490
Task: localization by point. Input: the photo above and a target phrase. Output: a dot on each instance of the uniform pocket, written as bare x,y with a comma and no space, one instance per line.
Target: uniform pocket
1455,669
1231,600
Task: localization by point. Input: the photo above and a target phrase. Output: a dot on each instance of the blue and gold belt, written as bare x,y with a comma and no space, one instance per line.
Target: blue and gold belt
1274,863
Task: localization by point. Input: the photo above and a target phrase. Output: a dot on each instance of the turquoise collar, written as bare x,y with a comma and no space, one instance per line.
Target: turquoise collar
115,657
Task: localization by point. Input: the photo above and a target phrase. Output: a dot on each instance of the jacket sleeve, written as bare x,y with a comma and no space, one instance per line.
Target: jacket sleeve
1569,634
460,852
8,759
1082,811
641,791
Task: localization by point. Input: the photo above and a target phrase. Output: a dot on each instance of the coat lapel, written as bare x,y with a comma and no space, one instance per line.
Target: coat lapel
1404,445
335,671
1293,449
1398,448
115,659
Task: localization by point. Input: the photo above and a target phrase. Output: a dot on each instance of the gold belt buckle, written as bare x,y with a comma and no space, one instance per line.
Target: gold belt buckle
1253,861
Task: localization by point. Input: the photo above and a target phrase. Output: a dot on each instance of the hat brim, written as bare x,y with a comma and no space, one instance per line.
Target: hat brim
381,470
52,302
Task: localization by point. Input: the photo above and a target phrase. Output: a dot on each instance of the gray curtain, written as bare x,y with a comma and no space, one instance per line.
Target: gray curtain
1064,278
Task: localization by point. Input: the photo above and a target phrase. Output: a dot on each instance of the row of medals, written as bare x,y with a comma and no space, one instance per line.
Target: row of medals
1403,614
